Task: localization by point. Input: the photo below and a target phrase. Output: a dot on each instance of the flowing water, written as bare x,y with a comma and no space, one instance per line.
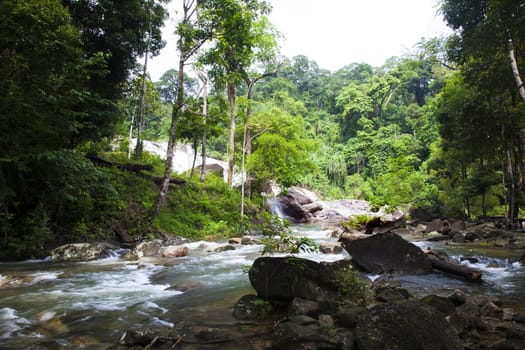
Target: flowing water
57,306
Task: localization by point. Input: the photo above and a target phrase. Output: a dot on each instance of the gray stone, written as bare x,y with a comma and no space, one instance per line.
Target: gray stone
285,278
409,325
387,253
80,252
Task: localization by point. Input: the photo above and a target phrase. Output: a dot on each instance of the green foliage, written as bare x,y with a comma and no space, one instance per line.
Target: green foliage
200,210
352,287
356,222
283,131
278,238
70,199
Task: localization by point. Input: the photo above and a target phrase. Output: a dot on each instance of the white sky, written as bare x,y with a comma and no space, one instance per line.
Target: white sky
335,33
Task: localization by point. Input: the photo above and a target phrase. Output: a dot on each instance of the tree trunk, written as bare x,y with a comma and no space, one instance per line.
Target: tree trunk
140,119
516,71
195,145
248,179
455,269
204,115
131,135
177,106
231,148
184,54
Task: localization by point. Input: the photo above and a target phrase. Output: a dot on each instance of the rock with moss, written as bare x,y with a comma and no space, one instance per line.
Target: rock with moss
81,252
284,278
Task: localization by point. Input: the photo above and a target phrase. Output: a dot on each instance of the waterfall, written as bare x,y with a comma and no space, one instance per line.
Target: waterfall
275,207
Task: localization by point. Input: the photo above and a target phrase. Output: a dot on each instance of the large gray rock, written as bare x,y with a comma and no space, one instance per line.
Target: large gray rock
387,253
157,248
284,278
405,326
81,252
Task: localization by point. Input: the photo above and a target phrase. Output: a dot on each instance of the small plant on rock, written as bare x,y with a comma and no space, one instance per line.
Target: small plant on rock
278,238
356,222
352,287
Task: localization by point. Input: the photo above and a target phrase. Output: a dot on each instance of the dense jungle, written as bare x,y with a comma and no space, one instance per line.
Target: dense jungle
440,128
248,200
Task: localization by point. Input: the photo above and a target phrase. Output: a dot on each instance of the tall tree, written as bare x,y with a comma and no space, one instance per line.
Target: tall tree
232,53
117,32
489,40
190,39
50,102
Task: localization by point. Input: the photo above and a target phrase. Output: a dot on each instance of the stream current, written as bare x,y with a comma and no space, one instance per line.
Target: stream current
55,306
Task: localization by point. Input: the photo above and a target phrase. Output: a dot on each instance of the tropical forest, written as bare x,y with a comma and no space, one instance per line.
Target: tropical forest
249,200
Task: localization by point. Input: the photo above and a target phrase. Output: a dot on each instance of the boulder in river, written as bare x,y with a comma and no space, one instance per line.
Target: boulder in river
284,278
174,251
387,253
80,252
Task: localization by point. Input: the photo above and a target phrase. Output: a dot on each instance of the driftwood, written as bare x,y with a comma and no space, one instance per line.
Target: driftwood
440,264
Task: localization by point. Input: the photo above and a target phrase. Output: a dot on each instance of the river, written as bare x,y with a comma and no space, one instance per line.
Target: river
44,305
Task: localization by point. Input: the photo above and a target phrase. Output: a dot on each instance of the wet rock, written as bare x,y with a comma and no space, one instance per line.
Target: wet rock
288,277
387,253
350,315
300,306
251,307
172,247
519,317
326,321
437,238
302,195
250,240
330,248
515,340
409,325
489,309
298,204
211,334
457,297
349,236
387,294
186,286
85,342
146,249
458,238
51,325
81,252
420,228
235,240
137,338
442,304
313,207
303,320
467,317
174,251
224,248
458,225
402,231
292,336
436,225
11,281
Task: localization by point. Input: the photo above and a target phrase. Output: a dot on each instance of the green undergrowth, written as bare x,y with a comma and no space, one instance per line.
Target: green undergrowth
193,209
201,210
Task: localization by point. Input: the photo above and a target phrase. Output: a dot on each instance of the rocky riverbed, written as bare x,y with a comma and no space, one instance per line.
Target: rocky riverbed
168,294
